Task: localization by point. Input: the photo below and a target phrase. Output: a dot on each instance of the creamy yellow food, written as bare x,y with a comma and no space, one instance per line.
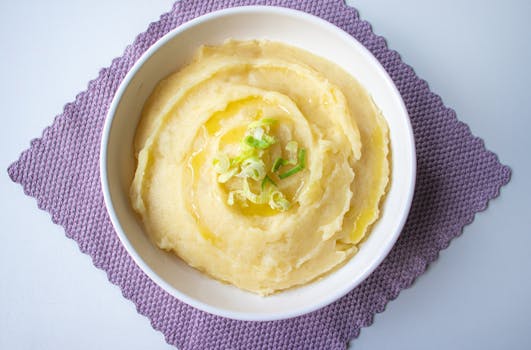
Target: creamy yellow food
260,164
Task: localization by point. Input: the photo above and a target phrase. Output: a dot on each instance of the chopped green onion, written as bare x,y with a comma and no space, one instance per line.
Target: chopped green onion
239,194
249,165
275,199
252,197
221,163
258,133
267,180
278,163
256,143
254,168
257,136
291,172
291,148
299,167
269,139
278,201
247,152
226,176
302,157
222,166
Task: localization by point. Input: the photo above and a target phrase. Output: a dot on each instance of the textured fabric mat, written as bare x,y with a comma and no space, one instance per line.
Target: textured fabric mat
457,176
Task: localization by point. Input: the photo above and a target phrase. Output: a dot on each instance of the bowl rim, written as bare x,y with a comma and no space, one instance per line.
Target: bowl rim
239,315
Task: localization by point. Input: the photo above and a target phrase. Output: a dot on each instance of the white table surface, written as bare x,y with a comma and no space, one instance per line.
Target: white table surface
476,56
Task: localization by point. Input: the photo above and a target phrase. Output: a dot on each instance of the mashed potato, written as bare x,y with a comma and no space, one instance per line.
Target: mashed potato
260,164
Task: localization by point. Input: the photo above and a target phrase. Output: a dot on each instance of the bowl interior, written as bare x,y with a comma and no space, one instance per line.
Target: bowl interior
174,51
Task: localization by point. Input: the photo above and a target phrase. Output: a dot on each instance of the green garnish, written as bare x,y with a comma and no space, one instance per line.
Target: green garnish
221,163
299,167
291,148
247,152
249,165
253,168
261,198
258,143
278,163
267,180
226,176
278,201
222,166
302,157
290,172
274,198
269,139
239,194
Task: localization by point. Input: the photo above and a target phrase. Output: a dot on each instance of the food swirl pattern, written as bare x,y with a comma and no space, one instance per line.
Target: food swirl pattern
205,110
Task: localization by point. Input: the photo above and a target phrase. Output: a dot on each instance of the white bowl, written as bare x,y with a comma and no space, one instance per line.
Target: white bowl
172,52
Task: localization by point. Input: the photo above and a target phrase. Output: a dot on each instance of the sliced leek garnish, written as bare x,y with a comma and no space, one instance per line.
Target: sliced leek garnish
249,165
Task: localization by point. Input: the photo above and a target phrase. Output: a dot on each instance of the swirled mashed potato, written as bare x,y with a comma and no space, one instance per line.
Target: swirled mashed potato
260,164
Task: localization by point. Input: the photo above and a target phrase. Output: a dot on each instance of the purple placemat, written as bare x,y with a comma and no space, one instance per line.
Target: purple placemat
456,177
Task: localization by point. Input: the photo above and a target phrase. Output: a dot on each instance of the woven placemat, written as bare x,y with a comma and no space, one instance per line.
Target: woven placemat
456,177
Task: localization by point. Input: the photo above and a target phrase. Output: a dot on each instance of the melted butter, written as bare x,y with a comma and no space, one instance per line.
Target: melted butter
257,210
370,210
213,125
195,163
233,136
205,233
215,122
